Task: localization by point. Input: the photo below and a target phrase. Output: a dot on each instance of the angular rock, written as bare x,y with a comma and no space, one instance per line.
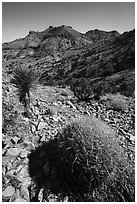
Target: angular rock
9,166
71,104
41,125
42,139
55,104
132,138
3,152
9,191
15,182
19,199
11,172
26,160
23,154
36,111
26,119
9,144
33,128
23,173
19,168
55,118
15,140
13,152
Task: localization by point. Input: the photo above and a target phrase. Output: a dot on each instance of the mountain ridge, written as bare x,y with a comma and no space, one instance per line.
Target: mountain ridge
55,31
61,53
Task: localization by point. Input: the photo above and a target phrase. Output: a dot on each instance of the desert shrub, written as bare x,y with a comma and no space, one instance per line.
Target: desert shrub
24,79
84,162
81,88
128,87
116,102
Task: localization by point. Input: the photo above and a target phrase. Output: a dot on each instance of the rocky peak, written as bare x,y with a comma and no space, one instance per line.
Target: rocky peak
99,34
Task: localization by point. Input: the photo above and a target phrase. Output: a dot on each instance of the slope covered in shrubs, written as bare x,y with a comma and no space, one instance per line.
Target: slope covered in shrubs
52,109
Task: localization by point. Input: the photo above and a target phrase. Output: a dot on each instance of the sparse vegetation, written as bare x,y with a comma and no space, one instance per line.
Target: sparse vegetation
115,101
85,162
23,79
81,89
74,157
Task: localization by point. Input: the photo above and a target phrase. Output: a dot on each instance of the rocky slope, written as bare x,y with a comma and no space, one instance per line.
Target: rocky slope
49,40
51,109
59,54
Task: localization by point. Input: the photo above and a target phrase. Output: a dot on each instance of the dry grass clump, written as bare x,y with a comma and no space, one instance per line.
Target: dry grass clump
115,101
84,162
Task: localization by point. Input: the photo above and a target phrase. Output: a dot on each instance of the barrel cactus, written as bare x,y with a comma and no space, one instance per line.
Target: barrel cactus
84,162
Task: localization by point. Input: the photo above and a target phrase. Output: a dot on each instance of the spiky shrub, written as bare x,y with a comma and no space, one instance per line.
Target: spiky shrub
24,79
84,162
81,89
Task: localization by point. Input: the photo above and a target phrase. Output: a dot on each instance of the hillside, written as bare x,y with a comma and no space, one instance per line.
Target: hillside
61,53
63,59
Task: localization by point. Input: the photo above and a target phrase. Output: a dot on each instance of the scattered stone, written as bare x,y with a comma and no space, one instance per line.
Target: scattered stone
13,152
23,173
52,113
3,152
41,125
132,138
9,144
30,145
55,118
23,154
71,104
36,111
25,161
26,119
33,128
11,172
56,104
53,110
15,195
25,192
9,166
9,191
15,140
59,103
19,199
42,139
15,182
19,168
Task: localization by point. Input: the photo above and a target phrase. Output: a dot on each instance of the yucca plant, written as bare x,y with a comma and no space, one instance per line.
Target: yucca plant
24,79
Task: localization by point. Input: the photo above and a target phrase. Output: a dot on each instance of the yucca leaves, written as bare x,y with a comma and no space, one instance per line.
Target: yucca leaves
23,79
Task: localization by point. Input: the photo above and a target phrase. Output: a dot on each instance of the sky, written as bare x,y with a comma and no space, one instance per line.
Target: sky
18,18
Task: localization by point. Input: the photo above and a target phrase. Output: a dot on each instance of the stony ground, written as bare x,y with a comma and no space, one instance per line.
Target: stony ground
51,108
